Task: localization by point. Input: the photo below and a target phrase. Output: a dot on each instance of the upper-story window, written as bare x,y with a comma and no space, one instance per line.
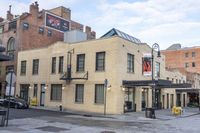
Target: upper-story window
1,43
100,61
193,54
25,26
11,47
130,63
53,65
186,55
157,74
35,66
12,25
41,30
49,33
186,65
80,63
1,29
23,68
60,67
193,64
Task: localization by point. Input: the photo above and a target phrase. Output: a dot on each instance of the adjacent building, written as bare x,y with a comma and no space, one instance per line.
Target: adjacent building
106,75
34,29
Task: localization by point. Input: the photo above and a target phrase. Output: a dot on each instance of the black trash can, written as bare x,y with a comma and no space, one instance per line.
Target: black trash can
2,118
150,113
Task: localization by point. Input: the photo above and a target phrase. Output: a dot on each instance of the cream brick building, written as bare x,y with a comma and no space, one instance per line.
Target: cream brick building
113,58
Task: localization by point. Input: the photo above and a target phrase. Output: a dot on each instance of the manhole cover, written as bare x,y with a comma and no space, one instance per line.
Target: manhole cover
51,129
108,132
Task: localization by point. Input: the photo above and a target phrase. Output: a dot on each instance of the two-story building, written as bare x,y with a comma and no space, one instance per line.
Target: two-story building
110,74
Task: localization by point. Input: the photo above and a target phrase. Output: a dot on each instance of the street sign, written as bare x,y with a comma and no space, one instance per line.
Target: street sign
8,76
10,91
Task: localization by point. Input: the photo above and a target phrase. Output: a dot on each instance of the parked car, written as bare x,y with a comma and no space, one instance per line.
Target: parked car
16,103
1,102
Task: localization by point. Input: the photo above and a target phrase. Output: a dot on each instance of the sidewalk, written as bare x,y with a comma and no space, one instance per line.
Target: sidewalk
164,114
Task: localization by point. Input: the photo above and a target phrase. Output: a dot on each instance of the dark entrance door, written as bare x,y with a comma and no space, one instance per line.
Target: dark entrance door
129,105
24,89
42,95
158,103
178,100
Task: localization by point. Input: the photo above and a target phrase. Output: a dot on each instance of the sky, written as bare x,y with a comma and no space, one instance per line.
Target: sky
152,21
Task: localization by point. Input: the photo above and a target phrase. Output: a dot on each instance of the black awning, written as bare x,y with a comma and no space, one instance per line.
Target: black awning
188,90
4,57
160,83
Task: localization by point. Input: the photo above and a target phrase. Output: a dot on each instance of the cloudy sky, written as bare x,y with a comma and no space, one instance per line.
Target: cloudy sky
152,21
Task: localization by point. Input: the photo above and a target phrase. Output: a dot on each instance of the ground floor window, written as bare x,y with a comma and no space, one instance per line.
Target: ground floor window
99,93
35,90
79,93
56,92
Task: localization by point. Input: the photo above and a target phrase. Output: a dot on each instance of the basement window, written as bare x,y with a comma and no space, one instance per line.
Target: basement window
25,26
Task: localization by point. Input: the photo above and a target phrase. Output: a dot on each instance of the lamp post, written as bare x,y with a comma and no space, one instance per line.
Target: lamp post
154,46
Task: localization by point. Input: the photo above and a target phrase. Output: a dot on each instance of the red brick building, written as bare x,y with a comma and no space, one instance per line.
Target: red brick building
184,59
30,30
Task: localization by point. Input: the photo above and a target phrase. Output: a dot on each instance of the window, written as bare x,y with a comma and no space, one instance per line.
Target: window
79,93
60,68
100,61
80,63
11,47
1,29
99,93
25,26
157,74
41,30
193,54
186,55
193,64
186,65
130,63
167,78
23,68
12,25
56,92
53,65
35,89
1,43
49,33
35,66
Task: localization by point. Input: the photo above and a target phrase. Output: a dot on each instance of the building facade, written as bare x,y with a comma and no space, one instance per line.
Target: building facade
34,29
93,76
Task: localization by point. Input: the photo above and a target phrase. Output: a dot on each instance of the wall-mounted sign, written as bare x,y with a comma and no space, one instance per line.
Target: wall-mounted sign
57,22
146,64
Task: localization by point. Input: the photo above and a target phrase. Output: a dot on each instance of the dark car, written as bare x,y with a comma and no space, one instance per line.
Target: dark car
16,103
1,102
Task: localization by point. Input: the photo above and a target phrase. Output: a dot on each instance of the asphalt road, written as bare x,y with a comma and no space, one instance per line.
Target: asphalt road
31,113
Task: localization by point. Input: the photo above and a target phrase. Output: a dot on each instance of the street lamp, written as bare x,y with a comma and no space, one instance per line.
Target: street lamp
154,47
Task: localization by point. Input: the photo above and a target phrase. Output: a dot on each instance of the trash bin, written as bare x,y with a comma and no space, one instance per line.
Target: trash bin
150,113
2,118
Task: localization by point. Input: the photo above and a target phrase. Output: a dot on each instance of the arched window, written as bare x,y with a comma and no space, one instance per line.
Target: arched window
11,47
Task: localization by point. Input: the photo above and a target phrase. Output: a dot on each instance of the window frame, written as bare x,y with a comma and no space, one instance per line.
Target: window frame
61,63
53,65
102,96
100,63
11,47
79,91
80,67
35,67
130,63
23,67
57,96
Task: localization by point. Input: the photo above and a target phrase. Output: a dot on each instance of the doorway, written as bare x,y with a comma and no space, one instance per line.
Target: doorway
158,99
129,100
178,100
24,89
42,95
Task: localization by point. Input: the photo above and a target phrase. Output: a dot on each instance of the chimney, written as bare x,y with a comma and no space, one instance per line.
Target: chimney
93,34
9,14
87,29
34,8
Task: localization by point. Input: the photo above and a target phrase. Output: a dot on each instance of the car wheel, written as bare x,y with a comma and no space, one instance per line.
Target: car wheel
16,106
